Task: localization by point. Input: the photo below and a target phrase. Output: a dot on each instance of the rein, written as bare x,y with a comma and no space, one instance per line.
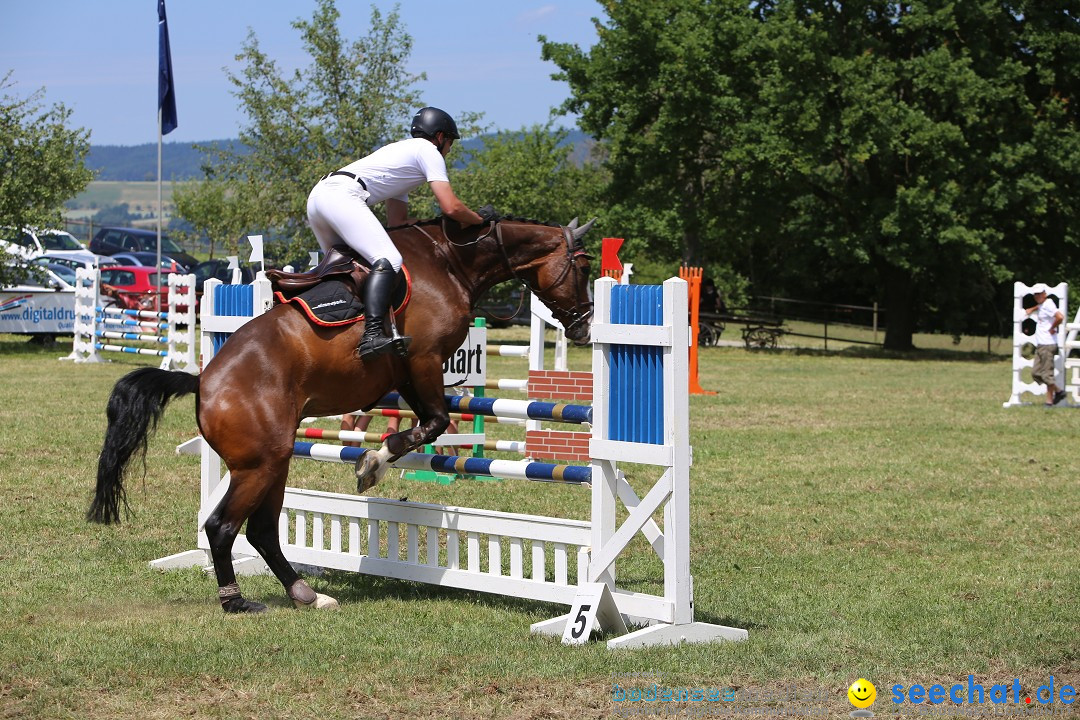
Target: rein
452,260
568,318
574,249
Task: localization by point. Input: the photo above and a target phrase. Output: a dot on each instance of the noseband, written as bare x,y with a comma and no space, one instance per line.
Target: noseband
583,308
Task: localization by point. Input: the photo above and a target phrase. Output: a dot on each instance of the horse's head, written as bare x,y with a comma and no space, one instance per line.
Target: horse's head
552,262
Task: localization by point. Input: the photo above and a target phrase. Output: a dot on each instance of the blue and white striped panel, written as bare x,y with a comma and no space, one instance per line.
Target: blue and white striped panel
636,399
232,301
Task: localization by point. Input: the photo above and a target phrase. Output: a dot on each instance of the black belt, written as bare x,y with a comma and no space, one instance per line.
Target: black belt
348,175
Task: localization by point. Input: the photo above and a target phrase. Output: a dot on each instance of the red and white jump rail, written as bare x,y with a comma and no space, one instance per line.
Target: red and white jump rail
546,559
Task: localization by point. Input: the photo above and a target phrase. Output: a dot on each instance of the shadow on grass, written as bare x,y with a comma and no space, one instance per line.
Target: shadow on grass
877,353
356,588
34,345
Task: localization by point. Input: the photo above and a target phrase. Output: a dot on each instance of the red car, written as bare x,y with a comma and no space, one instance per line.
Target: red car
134,286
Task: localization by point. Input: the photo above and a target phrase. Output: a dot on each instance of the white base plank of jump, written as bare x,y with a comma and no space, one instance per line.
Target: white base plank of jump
242,564
190,558
664,634
659,634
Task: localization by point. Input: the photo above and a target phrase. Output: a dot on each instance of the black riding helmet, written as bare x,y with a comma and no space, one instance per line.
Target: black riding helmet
431,120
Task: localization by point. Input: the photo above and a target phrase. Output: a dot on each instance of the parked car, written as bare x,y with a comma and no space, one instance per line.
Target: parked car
134,286
218,268
74,263
143,259
62,270
37,278
30,243
111,240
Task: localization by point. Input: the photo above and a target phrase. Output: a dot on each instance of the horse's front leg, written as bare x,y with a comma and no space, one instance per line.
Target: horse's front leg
432,419
424,393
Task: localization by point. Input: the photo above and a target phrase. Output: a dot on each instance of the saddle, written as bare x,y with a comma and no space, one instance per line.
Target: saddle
340,263
331,293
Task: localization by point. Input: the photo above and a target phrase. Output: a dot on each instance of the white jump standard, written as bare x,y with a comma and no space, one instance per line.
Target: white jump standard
1021,365
170,333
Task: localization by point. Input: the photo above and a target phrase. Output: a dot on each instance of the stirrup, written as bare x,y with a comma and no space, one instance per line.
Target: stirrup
401,345
375,345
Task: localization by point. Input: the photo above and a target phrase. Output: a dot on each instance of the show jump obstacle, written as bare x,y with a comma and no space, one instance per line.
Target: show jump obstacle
1022,381
168,334
640,414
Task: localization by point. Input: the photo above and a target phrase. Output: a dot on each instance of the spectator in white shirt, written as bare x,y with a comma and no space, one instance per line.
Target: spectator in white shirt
1047,320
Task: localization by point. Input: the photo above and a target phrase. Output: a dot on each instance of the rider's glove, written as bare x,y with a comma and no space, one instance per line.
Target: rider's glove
488,214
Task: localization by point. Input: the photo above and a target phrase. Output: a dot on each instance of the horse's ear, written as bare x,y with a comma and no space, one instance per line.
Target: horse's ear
572,224
579,232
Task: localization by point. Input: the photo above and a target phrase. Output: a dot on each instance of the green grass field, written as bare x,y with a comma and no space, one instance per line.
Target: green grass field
139,196
860,516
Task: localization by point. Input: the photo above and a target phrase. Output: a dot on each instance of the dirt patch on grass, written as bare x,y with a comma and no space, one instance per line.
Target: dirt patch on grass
543,699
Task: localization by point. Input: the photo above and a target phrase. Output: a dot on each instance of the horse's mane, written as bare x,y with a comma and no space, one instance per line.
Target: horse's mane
512,218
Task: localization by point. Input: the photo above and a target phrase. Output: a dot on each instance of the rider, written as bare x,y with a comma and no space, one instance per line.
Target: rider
339,210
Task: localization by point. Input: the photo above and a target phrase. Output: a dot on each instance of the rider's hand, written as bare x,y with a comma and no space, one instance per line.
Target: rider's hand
487,214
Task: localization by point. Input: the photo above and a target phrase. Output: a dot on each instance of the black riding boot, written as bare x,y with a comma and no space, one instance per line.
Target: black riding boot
377,290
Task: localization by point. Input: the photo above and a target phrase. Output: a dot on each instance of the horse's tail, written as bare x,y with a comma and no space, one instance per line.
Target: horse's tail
135,406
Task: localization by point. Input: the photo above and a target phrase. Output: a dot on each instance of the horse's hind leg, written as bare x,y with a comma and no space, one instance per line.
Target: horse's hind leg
240,500
262,533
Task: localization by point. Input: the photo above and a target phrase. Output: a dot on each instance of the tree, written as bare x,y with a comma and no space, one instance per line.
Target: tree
529,173
923,150
209,214
915,146
42,163
353,98
661,87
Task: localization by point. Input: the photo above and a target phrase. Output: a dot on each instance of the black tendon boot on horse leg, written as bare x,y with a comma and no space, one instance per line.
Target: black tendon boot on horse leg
377,290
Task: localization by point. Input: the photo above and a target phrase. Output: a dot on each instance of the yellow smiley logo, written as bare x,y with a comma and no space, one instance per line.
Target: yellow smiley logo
862,693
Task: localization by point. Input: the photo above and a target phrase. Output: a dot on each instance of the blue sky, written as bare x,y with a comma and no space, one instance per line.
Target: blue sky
99,58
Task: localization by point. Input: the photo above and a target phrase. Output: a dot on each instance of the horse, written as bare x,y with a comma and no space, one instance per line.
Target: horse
279,368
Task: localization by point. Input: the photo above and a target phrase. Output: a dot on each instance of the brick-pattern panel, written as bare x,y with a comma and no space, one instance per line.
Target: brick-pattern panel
561,384
557,445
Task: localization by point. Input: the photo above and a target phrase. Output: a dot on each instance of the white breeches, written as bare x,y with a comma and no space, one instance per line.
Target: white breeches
338,213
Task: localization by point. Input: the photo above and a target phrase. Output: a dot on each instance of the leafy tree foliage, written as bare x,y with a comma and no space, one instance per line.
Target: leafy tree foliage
922,152
354,97
529,173
42,163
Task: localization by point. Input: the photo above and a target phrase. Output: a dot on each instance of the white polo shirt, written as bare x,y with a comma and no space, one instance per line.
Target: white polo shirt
1044,320
395,169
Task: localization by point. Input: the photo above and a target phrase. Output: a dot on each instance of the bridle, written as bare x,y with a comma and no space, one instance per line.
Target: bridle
574,250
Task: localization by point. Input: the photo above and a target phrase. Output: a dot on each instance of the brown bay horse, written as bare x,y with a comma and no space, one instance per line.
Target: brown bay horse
279,368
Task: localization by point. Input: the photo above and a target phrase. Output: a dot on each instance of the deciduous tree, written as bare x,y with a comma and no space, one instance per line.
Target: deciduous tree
923,153
42,163
352,98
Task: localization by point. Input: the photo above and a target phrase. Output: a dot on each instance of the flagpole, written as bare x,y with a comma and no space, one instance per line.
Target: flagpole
157,267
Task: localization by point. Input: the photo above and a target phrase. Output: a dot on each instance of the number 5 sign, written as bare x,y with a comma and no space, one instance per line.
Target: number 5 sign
593,605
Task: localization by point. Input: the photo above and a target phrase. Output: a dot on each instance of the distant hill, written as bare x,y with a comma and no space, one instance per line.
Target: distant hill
181,161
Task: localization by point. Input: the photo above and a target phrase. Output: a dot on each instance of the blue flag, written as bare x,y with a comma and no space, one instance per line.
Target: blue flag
165,91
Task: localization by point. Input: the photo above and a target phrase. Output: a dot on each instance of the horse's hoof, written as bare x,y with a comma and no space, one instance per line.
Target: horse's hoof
241,606
304,597
321,602
370,467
